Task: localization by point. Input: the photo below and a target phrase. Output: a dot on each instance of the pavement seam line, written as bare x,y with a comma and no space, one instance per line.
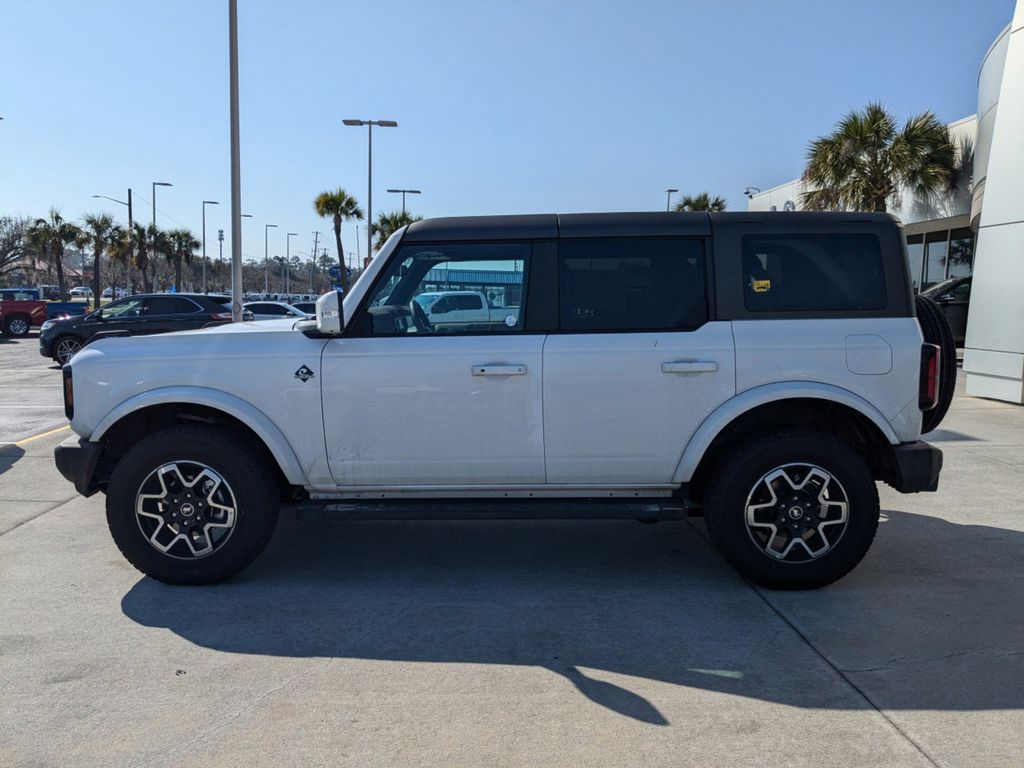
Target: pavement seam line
821,655
38,515
863,694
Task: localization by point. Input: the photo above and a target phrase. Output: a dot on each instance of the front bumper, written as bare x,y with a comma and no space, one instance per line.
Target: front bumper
916,467
45,346
76,460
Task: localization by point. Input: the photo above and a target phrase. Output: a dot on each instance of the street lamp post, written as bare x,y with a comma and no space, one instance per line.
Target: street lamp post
205,203
155,185
287,259
266,259
220,255
369,170
131,240
668,198
405,192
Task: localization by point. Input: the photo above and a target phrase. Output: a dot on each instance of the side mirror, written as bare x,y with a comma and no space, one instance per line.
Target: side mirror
330,316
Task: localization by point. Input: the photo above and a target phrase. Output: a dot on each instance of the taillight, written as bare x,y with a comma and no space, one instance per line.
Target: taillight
69,393
928,393
221,315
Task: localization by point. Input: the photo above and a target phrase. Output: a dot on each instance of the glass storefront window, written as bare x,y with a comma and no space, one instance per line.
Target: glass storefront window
915,249
935,258
961,252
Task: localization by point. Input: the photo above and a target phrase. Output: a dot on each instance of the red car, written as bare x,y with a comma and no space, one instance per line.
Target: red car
20,309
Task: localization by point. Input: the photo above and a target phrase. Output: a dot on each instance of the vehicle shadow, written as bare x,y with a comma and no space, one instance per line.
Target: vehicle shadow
9,455
594,601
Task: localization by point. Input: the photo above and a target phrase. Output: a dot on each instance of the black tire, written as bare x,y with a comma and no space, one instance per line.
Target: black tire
935,329
739,476
249,481
17,326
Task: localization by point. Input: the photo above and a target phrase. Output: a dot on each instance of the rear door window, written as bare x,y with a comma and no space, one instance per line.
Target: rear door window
631,284
813,272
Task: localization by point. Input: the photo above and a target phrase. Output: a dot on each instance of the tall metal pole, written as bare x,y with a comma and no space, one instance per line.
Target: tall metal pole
369,191
236,174
131,251
287,259
205,203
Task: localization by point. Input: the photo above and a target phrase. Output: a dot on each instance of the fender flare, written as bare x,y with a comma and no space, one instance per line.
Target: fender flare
252,417
736,406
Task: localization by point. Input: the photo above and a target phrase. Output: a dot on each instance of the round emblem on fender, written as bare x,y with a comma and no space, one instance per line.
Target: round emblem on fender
187,509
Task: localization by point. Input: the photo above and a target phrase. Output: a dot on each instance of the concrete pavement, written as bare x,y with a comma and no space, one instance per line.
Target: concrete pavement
522,643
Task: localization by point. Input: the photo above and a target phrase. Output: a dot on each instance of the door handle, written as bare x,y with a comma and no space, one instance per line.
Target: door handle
690,366
499,370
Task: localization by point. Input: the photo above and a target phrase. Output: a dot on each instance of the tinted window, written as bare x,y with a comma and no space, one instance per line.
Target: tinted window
269,309
637,284
169,305
812,272
122,309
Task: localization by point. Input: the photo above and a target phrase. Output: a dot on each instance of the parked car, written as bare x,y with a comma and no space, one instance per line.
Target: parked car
114,293
274,310
81,290
763,371
306,307
954,297
462,310
140,315
20,310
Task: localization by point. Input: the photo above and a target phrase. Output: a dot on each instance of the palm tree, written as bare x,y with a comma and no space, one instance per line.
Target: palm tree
181,244
864,162
389,223
56,233
98,233
149,242
703,201
339,206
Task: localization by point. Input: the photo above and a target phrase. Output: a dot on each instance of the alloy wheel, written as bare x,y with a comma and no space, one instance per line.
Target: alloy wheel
797,512
66,349
186,510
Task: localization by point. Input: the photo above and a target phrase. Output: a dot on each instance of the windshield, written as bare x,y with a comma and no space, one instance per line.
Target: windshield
939,288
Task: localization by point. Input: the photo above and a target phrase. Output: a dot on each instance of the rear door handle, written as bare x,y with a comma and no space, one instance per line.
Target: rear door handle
499,370
690,366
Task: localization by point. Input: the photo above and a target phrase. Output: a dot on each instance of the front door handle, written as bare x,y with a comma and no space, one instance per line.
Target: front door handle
499,370
690,366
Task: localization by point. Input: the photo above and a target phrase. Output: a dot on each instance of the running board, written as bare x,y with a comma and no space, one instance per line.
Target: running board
495,509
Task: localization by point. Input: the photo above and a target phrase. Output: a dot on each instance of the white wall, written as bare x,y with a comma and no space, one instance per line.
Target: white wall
994,358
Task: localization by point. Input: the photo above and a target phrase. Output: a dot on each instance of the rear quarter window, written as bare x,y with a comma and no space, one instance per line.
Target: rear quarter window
813,272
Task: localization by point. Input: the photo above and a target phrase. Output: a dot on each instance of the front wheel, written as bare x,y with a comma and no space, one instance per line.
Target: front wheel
192,504
792,511
66,348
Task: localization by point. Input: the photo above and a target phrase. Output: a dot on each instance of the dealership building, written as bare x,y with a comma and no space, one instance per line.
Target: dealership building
978,228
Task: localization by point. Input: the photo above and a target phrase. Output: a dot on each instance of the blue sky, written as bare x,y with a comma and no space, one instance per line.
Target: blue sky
503,107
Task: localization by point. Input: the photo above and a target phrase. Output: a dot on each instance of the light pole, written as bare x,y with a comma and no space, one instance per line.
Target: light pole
205,203
131,241
287,258
155,185
405,192
266,259
668,198
369,170
220,255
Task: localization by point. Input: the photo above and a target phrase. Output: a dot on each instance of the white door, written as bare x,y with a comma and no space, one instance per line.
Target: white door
636,367
410,404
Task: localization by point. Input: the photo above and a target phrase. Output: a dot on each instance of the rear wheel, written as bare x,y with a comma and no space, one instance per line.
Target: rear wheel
16,325
192,504
792,511
935,329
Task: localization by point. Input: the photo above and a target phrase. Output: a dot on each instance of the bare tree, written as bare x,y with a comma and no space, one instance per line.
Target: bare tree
13,246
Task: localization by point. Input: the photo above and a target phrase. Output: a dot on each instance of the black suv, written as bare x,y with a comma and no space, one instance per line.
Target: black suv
137,315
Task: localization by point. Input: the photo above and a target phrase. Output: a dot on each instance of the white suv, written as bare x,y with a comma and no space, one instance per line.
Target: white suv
764,370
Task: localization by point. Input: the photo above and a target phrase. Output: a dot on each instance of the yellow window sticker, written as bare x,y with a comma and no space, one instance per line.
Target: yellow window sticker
761,286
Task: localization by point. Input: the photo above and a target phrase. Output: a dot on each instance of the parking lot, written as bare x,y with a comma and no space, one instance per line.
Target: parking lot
511,643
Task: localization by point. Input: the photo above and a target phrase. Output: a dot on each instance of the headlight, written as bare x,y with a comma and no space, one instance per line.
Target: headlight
47,324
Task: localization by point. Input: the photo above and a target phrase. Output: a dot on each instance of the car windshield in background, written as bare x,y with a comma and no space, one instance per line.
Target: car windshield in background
939,288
